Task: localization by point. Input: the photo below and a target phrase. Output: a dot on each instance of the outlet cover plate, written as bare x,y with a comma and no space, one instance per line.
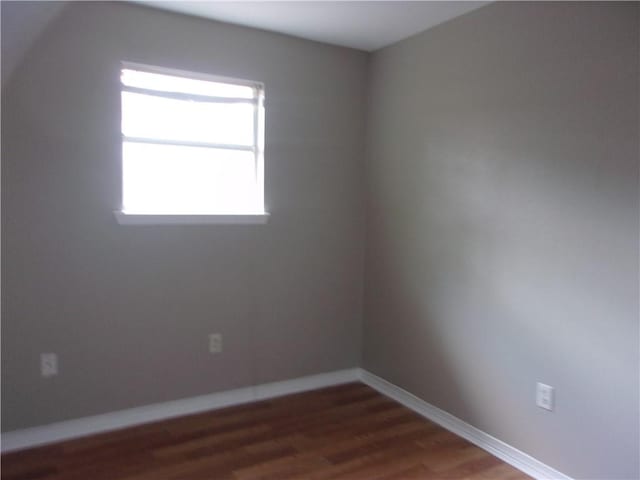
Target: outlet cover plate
544,396
215,343
48,364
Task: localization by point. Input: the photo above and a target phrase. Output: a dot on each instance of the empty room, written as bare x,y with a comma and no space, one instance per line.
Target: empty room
320,240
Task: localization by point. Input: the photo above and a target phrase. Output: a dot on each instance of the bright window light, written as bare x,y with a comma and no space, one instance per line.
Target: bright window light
191,144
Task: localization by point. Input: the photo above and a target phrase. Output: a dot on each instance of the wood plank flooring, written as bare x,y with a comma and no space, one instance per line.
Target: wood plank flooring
344,432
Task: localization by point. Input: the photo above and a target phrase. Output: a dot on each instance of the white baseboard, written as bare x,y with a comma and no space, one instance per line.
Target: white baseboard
32,437
498,448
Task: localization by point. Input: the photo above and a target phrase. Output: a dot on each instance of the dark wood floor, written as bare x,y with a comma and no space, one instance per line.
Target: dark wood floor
344,432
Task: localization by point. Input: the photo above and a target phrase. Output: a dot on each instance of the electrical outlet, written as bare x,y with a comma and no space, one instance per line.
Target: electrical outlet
48,364
215,343
544,396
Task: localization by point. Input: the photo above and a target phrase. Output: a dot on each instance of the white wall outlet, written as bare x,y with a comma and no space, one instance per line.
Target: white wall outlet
544,396
48,364
215,343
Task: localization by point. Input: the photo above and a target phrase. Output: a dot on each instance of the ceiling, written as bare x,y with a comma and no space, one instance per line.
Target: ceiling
364,25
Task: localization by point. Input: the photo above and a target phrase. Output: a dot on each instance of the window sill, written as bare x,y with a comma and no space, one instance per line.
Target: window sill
158,219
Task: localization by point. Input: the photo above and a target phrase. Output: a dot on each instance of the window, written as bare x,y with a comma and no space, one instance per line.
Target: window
192,147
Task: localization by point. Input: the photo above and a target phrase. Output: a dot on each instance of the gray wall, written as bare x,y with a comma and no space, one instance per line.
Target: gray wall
503,226
128,309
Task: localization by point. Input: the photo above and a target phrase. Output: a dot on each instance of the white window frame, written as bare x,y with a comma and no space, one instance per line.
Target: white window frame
260,217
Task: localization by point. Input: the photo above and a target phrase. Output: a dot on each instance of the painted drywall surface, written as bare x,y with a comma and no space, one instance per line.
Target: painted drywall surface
503,226
23,23
128,309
